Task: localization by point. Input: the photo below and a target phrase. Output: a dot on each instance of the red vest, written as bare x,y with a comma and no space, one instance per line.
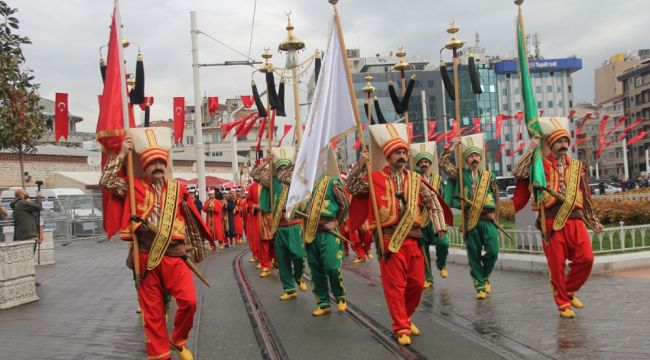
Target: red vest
387,203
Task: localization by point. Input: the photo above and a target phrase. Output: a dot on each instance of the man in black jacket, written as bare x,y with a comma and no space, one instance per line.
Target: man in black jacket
25,214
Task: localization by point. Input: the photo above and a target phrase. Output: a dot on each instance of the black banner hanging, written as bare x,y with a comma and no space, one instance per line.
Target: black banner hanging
449,87
261,110
474,76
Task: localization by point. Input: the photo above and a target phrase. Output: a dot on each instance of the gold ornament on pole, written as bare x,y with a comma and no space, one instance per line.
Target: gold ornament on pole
292,45
454,44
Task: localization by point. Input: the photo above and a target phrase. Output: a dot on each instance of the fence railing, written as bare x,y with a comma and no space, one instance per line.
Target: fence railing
70,218
625,197
614,240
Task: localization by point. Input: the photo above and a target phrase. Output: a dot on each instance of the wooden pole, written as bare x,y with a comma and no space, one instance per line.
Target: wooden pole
459,159
129,161
406,118
296,106
357,119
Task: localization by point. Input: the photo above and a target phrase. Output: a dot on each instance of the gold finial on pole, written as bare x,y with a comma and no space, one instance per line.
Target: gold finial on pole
453,43
267,66
519,2
292,45
401,65
369,89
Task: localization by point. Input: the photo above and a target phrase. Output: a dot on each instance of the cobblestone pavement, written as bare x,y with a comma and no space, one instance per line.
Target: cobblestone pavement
87,311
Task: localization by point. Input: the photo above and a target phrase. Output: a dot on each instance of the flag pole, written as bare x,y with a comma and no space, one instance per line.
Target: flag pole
402,66
454,44
129,158
271,119
357,119
539,200
200,146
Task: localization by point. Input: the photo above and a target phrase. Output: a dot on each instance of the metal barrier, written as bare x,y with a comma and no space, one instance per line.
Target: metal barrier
614,240
71,218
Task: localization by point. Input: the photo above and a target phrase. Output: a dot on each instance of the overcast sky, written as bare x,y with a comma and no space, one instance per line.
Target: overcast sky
66,35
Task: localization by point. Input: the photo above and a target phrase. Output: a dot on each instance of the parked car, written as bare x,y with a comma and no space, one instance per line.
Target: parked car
510,192
609,189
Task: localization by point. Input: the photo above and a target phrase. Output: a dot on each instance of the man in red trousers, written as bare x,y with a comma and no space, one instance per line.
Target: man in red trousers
401,195
164,209
567,208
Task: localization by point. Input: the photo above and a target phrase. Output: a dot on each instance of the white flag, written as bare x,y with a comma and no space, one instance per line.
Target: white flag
330,115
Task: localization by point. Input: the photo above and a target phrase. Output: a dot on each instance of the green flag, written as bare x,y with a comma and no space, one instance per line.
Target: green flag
537,175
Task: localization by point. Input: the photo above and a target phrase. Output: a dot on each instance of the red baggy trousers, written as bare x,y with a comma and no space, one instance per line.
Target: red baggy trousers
402,277
571,243
172,276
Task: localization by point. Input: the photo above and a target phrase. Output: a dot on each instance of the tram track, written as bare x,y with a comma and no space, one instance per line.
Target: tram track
268,340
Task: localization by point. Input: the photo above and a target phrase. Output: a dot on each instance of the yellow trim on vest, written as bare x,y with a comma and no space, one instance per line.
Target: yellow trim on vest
166,225
572,188
479,200
315,209
410,215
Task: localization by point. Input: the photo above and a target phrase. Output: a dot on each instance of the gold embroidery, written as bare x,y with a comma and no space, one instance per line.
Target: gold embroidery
316,207
166,225
281,202
479,200
410,214
572,187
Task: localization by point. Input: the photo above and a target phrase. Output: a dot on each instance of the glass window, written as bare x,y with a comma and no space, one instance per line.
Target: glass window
570,103
539,105
516,91
517,106
550,104
538,89
506,107
509,167
560,103
492,88
507,137
549,88
559,88
504,92
189,140
569,88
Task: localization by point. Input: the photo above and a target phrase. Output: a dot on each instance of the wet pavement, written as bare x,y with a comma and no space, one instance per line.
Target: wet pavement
87,311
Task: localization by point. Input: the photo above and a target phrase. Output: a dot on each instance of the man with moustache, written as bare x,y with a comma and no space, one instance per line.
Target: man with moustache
164,211
567,209
400,195
425,158
481,196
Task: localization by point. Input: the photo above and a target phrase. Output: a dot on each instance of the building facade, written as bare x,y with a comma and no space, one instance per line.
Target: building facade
636,104
553,88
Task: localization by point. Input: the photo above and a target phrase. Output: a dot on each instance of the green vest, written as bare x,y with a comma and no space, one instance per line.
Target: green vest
265,198
451,190
330,206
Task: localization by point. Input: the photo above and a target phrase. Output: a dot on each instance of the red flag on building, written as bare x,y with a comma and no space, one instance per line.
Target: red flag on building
410,130
247,100
61,118
179,119
620,122
518,149
213,105
250,122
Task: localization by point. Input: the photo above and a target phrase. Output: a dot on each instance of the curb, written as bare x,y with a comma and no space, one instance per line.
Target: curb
603,264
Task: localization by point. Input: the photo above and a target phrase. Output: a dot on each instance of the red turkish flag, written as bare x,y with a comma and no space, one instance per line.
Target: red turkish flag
632,125
179,118
518,149
603,125
213,105
260,134
248,101
571,113
499,120
61,118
